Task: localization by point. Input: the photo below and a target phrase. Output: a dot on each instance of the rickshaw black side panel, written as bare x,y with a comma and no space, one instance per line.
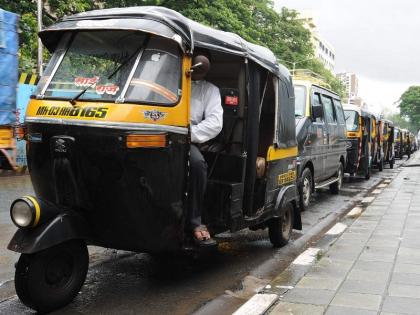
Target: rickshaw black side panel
64,227
114,186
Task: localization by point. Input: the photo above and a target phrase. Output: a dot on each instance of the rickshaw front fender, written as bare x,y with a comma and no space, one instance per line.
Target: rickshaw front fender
288,194
62,228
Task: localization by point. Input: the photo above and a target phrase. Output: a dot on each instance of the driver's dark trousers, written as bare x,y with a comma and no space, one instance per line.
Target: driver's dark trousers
197,188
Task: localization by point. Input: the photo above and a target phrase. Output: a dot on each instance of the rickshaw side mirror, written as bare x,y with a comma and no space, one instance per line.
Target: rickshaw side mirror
317,112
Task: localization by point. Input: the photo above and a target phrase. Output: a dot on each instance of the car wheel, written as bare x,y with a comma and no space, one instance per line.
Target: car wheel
336,187
305,189
52,278
280,229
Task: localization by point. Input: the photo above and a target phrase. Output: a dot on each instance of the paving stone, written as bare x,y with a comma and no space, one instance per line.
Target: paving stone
408,259
368,275
407,268
340,310
402,290
363,301
319,283
377,257
404,251
401,305
373,265
309,296
285,308
383,243
326,272
405,278
359,286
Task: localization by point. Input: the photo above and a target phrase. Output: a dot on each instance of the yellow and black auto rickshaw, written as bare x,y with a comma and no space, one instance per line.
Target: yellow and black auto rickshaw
406,142
388,142
108,145
377,143
359,140
399,147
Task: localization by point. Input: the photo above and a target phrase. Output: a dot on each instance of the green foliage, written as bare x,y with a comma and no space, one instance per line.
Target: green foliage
403,123
254,20
410,105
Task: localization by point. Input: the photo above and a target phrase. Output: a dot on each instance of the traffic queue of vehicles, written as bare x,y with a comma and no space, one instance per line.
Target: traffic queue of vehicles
333,138
109,142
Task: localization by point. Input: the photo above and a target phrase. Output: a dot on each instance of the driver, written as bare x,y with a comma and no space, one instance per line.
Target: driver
206,119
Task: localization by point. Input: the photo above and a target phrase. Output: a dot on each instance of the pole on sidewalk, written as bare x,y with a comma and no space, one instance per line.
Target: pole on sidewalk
39,16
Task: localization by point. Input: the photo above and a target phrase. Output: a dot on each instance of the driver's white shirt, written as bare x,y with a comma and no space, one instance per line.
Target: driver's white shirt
206,114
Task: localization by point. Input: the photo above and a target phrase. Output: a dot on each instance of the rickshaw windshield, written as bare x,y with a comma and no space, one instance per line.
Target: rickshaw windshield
300,100
352,120
126,65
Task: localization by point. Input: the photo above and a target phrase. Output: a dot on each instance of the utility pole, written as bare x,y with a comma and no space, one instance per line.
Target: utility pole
39,15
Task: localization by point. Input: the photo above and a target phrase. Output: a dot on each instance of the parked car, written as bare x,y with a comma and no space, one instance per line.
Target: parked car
321,137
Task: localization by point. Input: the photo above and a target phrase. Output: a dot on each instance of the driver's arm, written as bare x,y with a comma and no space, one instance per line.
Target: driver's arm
212,123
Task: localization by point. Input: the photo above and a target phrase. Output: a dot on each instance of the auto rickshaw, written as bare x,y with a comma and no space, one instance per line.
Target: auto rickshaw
399,149
388,142
359,140
108,145
377,143
405,143
412,142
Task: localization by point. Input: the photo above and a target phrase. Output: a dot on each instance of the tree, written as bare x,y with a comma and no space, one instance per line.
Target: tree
254,20
410,105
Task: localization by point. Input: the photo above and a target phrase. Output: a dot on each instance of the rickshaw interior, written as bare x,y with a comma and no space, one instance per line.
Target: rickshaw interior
227,169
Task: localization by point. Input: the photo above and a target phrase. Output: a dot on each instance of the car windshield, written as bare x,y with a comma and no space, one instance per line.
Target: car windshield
102,62
300,100
352,120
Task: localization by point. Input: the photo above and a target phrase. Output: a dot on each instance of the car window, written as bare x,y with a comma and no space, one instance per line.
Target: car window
328,109
339,112
300,100
316,101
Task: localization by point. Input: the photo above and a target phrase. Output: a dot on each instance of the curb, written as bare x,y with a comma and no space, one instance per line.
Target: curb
259,305
262,301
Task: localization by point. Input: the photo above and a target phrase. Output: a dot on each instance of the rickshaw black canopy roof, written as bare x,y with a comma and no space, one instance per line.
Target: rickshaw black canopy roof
167,23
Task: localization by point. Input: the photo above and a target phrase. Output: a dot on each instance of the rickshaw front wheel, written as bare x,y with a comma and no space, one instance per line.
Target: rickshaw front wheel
280,229
52,278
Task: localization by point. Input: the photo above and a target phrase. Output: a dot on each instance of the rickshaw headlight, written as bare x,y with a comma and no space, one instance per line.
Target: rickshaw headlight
24,212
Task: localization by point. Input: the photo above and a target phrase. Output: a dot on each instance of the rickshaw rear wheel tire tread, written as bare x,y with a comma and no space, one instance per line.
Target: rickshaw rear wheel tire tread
31,283
381,165
275,227
305,174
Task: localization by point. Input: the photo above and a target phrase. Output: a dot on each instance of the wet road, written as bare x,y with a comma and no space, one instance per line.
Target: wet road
142,284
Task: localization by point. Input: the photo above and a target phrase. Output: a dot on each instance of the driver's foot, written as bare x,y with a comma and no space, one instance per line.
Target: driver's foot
202,236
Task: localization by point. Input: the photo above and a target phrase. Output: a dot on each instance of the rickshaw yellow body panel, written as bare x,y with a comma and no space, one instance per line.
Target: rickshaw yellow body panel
279,153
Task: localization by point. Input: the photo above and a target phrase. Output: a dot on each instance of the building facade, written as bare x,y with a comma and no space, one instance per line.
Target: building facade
324,51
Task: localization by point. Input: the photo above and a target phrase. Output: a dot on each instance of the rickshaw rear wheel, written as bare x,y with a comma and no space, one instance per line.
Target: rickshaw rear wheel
391,164
336,187
367,173
280,229
381,165
52,278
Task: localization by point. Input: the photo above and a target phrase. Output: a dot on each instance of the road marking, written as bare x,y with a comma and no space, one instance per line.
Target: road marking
257,305
307,257
387,181
355,212
382,185
377,191
368,199
337,229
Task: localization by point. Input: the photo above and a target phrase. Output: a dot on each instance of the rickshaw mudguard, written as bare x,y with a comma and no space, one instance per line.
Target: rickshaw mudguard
288,194
62,228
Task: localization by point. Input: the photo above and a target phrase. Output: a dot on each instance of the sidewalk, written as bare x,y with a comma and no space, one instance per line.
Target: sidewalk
374,266
369,263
